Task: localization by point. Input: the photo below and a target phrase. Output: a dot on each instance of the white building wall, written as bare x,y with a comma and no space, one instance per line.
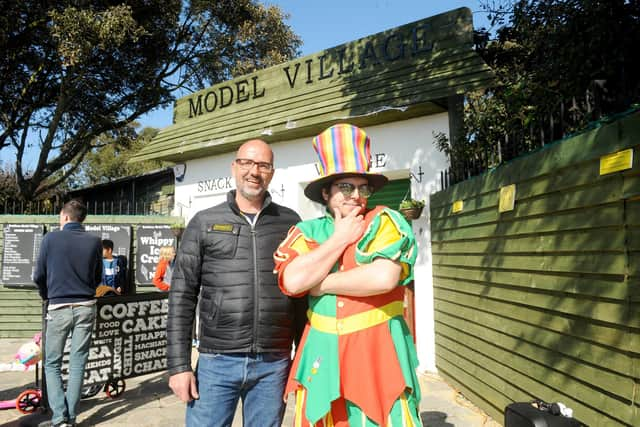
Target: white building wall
398,150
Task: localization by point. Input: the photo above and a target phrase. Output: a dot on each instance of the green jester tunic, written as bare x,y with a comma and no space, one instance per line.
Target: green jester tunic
357,361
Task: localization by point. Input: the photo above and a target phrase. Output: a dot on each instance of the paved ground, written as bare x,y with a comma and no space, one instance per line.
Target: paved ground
148,402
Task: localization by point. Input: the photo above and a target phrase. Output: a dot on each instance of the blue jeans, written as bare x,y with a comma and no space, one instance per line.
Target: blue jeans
61,322
223,378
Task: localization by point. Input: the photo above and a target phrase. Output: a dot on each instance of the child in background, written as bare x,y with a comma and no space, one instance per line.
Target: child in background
112,270
164,269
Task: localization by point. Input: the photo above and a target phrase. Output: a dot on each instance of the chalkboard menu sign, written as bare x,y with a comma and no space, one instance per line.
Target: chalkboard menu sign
129,339
150,239
120,235
21,249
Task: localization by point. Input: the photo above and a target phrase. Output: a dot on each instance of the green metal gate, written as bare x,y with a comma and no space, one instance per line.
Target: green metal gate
391,194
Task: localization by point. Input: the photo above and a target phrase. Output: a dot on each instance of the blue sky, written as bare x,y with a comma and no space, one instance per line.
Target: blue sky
328,23
322,24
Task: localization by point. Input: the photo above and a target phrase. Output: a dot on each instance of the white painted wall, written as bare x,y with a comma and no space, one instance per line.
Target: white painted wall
407,147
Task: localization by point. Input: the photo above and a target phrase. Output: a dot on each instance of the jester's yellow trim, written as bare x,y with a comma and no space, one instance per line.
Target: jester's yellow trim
408,419
327,420
301,244
295,240
355,322
388,233
300,395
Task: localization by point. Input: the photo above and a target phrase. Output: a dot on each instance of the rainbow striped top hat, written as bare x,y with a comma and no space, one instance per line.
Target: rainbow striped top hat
344,150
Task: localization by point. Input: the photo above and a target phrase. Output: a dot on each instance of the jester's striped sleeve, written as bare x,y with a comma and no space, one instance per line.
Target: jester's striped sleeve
295,244
389,236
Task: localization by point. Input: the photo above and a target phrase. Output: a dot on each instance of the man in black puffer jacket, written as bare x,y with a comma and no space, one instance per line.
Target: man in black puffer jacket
247,325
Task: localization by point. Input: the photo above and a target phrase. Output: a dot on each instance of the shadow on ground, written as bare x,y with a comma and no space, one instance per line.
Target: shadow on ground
150,389
434,419
101,408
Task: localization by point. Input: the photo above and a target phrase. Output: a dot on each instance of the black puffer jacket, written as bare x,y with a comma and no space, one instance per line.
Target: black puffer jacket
229,266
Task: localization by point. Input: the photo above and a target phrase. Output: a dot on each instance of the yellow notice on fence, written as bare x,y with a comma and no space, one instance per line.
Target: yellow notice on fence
458,205
616,162
507,198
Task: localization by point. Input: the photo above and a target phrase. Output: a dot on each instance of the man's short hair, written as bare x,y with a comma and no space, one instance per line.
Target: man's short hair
107,244
75,209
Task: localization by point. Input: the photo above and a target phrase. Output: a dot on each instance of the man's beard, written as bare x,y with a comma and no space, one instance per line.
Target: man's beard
252,194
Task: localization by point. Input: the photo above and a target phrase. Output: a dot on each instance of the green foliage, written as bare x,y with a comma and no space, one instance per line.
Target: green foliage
80,32
12,202
109,160
550,59
8,187
554,50
411,203
73,74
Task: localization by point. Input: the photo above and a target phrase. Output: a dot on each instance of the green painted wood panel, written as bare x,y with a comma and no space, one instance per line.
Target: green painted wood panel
476,391
20,313
562,383
574,152
391,194
633,213
543,301
609,216
606,335
527,358
583,263
23,310
600,193
610,311
611,287
563,241
481,380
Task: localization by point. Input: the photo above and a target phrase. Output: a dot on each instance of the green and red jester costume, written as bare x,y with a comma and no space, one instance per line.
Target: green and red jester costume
356,365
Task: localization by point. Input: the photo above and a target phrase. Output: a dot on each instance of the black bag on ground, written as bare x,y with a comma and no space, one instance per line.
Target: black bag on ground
525,414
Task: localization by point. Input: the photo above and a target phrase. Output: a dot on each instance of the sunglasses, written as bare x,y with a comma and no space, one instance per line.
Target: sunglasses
346,188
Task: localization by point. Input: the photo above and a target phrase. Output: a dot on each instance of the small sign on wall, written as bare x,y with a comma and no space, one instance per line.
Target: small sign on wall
119,234
150,239
507,198
21,250
616,162
458,206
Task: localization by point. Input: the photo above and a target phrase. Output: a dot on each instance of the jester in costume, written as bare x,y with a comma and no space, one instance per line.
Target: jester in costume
356,364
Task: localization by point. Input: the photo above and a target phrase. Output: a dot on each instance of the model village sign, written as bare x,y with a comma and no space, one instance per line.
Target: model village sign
412,41
405,72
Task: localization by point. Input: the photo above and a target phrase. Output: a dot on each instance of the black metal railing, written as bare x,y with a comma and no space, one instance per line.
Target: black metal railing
103,207
566,119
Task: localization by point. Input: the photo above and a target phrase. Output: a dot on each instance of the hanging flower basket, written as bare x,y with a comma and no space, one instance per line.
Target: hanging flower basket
411,213
411,208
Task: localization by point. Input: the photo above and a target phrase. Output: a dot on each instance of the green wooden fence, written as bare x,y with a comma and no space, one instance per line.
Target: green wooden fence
21,308
543,301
